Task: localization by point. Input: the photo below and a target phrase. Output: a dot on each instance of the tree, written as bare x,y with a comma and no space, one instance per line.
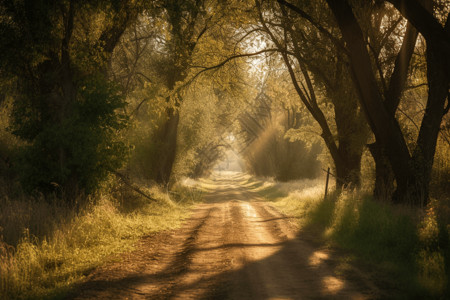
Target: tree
156,64
187,23
412,170
65,107
309,70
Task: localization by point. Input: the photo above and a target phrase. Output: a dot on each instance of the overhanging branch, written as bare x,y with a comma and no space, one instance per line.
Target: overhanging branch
227,60
307,17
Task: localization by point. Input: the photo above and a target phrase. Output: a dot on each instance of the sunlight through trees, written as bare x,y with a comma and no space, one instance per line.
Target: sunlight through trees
99,94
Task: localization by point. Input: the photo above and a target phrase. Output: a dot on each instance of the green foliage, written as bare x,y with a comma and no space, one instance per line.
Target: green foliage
26,32
83,147
65,108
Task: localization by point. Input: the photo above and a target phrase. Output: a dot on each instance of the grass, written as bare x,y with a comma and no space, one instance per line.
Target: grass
406,250
51,247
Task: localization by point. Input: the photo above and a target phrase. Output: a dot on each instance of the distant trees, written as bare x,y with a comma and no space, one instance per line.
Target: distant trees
155,63
266,151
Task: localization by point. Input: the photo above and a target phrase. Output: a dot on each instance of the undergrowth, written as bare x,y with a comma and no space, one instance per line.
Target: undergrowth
51,246
406,250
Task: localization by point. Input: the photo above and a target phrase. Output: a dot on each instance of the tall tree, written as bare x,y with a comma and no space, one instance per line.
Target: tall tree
308,71
187,22
412,170
393,78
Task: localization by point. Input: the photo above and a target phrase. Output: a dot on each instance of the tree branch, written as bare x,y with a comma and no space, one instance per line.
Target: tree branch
379,68
424,22
68,17
132,186
400,73
126,14
410,87
388,33
227,60
307,17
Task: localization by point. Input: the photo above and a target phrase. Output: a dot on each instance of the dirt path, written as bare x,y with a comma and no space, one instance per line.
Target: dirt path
233,247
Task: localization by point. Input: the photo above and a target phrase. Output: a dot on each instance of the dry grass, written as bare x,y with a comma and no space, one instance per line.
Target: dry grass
49,247
407,249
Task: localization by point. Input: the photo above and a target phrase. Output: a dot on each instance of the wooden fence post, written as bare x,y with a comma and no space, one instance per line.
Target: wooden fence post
326,184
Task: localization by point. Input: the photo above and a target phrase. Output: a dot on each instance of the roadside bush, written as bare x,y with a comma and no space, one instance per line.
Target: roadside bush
76,153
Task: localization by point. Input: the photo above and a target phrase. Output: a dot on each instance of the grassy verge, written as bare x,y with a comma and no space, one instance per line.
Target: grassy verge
406,250
55,247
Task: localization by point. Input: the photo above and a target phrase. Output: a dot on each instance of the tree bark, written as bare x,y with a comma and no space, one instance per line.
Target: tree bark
167,136
416,188
384,176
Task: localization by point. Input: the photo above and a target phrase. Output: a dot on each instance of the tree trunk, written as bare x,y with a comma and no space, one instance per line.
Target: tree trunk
415,187
346,152
384,176
348,172
352,129
167,135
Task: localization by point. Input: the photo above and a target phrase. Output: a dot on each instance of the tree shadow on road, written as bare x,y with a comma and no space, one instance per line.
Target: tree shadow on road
294,270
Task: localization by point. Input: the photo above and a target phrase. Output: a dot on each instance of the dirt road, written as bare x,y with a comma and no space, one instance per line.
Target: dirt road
234,246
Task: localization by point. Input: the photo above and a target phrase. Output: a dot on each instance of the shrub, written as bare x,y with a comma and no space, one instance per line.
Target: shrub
77,152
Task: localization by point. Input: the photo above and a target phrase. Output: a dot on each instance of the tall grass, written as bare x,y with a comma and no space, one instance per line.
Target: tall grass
406,250
49,247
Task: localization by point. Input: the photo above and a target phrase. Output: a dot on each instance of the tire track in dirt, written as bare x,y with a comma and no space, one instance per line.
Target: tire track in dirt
233,247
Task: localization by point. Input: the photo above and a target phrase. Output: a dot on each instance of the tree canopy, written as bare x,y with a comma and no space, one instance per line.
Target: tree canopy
154,88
